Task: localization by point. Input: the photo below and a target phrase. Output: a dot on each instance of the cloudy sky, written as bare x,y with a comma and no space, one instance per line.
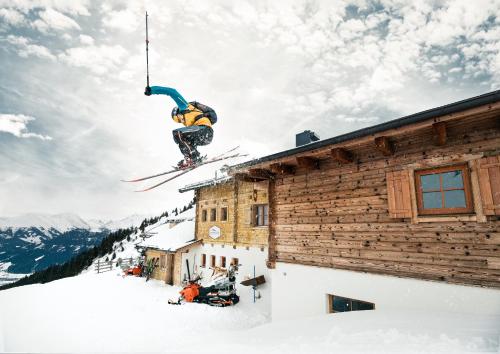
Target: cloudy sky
74,120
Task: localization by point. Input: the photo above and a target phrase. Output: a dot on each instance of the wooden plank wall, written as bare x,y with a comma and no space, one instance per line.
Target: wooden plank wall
158,272
338,216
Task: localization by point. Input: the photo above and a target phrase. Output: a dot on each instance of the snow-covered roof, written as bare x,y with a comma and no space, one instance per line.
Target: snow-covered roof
206,183
171,238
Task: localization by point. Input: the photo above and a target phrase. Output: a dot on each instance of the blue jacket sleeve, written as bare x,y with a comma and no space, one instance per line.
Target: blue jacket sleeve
176,96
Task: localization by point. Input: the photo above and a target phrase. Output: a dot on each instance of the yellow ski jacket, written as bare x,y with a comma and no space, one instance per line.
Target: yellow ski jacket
193,117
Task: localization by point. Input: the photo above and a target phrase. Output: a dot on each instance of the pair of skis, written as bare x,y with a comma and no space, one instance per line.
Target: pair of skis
182,171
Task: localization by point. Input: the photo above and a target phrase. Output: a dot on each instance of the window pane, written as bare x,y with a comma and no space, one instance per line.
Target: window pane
361,305
341,304
259,215
454,199
430,182
432,200
453,179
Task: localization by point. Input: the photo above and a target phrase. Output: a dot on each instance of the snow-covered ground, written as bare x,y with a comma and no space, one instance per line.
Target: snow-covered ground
109,313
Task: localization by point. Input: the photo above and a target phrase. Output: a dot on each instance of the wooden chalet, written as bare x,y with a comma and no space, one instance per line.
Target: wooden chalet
416,198
168,246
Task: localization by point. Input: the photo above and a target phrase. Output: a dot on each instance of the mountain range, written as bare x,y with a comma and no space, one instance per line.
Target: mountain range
33,242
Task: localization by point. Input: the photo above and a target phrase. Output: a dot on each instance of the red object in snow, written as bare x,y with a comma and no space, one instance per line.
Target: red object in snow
190,292
137,270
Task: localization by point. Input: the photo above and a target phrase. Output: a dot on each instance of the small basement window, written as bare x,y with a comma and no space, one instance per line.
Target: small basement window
444,190
204,215
213,214
212,261
203,260
343,304
223,214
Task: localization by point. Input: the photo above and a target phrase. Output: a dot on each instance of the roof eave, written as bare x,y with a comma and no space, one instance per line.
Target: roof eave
434,113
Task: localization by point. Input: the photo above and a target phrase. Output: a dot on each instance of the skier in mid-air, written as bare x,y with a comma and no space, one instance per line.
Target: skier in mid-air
197,119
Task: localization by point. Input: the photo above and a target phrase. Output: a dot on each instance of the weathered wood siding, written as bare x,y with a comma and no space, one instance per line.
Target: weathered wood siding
338,216
159,273
178,276
239,197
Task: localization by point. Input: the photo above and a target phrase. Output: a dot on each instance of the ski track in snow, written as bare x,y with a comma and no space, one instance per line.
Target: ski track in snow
110,313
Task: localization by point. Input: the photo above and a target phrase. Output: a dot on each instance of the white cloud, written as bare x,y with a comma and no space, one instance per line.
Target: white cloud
17,125
125,20
52,19
12,17
73,7
87,40
99,59
25,48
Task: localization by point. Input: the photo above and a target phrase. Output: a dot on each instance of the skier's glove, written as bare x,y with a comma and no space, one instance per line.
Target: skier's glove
147,91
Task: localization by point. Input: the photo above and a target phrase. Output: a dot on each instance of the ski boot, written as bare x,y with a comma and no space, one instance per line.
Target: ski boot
191,161
185,163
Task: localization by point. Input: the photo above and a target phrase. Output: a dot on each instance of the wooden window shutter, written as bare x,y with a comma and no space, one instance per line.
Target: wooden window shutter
249,215
398,194
489,184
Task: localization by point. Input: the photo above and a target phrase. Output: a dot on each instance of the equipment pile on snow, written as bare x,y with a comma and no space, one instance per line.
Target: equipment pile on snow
222,293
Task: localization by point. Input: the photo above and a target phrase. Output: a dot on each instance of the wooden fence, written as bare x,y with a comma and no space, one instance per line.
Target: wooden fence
106,266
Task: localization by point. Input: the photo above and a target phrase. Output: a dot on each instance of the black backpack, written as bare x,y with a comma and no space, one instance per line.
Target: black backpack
206,112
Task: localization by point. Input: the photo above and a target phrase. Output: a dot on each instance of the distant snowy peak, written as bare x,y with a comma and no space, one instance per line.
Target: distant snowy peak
60,222
130,221
67,221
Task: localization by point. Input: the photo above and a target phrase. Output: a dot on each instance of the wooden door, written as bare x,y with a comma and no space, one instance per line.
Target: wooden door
170,269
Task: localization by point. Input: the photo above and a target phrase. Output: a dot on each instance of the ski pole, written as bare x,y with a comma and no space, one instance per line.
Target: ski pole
147,52
254,285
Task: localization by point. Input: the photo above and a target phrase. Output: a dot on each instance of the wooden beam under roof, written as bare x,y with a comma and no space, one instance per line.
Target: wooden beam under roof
384,145
260,173
245,177
308,162
439,133
342,155
282,168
